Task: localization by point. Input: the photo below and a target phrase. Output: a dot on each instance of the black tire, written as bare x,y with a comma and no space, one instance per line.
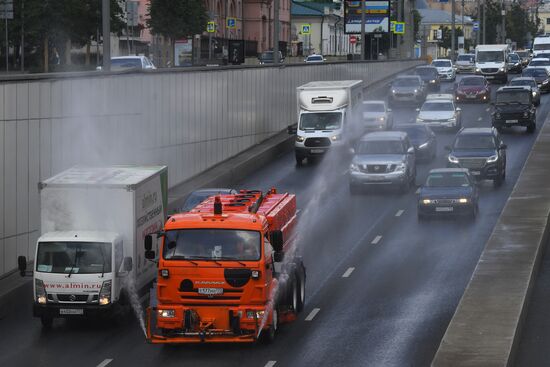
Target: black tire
47,321
531,128
299,160
300,288
267,336
474,212
497,182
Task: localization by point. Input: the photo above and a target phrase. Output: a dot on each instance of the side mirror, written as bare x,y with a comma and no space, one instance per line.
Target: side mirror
292,129
150,255
277,241
22,265
148,242
448,148
127,264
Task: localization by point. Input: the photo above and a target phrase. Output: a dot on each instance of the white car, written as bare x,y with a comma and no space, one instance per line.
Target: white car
376,115
131,62
445,69
440,112
314,59
539,62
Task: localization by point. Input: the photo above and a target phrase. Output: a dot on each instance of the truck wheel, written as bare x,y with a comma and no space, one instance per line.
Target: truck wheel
47,321
268,335
300,290
299,160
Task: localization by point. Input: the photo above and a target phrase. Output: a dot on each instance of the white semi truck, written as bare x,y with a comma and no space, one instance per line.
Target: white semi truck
491,62
328,113
90,256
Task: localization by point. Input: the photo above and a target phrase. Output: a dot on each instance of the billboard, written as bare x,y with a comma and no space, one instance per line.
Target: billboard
377,16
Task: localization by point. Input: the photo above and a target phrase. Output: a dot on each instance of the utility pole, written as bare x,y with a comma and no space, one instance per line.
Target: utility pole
106,22
503,29
363,40
453,30
478,33
462,15
484,22
276,32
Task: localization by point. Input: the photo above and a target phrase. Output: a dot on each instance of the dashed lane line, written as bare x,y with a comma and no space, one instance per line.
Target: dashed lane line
270,364
399,213
348,272
312,314
376,240
105,362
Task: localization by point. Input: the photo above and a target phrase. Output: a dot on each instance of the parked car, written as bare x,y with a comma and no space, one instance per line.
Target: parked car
120,63
540,63
514,106
383,158
448,191
311,59
198,196
422,138
473,88
482,151
541,75
445,69
514,64
266,57
440,112
529,82
466,63
376,115
407,89
429,76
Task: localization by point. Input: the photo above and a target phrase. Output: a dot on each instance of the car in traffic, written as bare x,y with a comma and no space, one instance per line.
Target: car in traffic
440,112
445,69
514,106
313,59
422,138
407,89
198,196
383,158
480,150
448,191
377,116
541,75
540,63
465,63
529,82
266,57
514,63
121,63
525,56
473,88
429,76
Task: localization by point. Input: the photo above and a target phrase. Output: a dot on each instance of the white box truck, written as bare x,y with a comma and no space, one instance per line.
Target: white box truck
328,114
491,62
541,44
90,256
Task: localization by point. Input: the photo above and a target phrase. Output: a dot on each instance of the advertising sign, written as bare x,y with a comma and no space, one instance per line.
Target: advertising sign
377,16
236,52
183,52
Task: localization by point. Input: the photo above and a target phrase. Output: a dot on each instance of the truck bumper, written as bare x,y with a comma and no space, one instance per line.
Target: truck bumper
71,310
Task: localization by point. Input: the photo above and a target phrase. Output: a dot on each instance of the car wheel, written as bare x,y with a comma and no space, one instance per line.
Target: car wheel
47,321
475,210
497,182
299,160
531,128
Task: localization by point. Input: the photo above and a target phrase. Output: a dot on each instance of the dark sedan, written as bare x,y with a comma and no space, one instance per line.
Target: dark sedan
422,138
198,196
429,76
541,75
473,89
448,191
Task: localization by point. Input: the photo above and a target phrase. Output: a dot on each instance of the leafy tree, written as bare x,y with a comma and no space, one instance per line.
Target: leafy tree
417,18
447,36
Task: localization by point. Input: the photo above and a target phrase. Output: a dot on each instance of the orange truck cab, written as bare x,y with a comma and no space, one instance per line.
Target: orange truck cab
227,270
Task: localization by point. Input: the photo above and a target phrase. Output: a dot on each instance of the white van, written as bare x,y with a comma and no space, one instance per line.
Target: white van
541,44
491,62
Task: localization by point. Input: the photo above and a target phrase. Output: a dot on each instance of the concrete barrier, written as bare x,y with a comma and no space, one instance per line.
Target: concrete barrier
486,326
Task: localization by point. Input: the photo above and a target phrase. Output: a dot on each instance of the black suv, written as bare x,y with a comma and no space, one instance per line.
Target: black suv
514,106
482,151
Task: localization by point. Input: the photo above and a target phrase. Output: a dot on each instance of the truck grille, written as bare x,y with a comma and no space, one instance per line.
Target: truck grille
472,163
317,142
377,168
489,70
72,297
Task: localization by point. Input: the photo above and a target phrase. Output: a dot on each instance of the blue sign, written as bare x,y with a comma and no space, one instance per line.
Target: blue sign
476,26
399,28
231,22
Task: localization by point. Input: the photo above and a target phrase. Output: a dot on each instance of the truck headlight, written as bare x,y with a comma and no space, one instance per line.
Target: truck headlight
492,159
105,293
419,119
393,91
382,119
416,90
463,200
353,167
168,314
41,296
426,201
501,70
478,70
453,159
300,139
336,137
545,82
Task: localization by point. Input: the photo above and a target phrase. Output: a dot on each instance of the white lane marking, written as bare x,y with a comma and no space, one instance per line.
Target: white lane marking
487,109
417,191
344,173
270,364
312,314
348,273
376,240
105,362
479,118
399,213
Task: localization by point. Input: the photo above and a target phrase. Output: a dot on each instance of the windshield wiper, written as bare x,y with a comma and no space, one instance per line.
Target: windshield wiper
231,259
74,263
201,258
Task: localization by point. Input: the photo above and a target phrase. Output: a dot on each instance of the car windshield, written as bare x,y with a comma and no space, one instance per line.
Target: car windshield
454,179
523,53
513,57
469,58
121,64
535,72
320,121
520,82
437,106
414,132
426,72
373,107
471,141
315,58
441,64
539,63
212,244
490,56
541,46
514,97
73,257
472,81
380,147
406,82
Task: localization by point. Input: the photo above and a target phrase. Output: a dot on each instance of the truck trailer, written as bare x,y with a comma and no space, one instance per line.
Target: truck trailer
90,256
227,270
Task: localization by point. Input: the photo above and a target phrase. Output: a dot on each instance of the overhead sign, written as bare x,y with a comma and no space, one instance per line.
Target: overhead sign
231,23
306,28
211,27
377,16
475,26
399,28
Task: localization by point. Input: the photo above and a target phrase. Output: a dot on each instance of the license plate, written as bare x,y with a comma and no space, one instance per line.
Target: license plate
489,77
470,96
444,209
511,121
71,311
475,173
317,151
377,178
210,291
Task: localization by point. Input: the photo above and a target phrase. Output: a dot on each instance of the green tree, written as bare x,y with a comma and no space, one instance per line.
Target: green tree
447,36
417,18
519,24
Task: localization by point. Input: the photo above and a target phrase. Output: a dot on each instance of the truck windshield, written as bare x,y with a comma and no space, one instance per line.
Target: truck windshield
74,257
514,97
541,46
321,121
490,56
212,244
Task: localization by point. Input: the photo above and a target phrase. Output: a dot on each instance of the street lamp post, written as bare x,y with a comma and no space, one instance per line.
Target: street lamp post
363,41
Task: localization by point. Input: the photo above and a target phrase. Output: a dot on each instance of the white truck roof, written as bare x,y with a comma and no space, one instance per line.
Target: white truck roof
112,176
491,47
79,236
331,84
